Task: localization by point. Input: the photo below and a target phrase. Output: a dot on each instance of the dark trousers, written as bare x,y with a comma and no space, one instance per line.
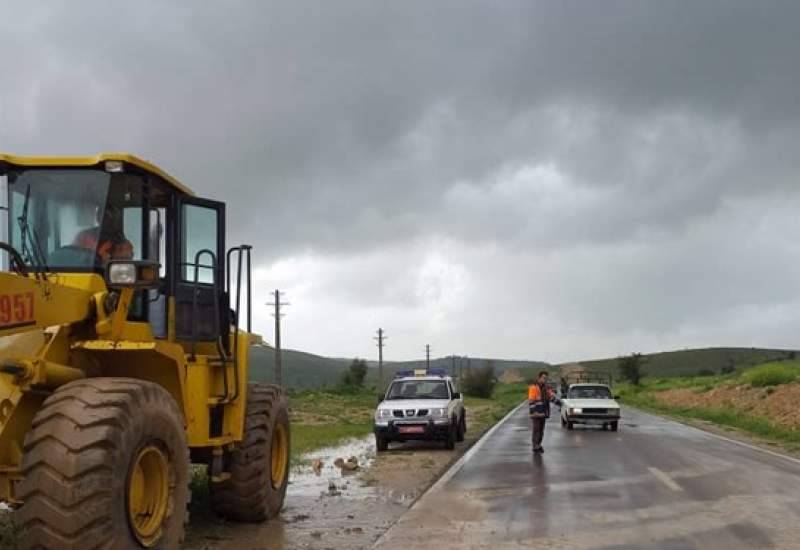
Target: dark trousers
538,431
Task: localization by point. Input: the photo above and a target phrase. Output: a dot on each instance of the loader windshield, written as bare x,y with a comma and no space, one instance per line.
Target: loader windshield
69,219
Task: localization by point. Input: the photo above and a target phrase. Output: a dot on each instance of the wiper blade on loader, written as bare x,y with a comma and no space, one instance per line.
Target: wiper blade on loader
31,246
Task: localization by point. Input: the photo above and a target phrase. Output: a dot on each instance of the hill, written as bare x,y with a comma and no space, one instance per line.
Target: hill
303,370
697,361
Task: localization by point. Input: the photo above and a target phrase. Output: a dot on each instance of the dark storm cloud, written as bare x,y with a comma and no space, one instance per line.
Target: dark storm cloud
341,128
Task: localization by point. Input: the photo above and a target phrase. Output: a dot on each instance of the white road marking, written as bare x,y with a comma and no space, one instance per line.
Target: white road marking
665,479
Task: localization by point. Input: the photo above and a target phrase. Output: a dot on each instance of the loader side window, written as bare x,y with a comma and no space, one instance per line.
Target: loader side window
199,233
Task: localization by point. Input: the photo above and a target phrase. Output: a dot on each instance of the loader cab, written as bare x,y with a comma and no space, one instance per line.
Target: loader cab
79,215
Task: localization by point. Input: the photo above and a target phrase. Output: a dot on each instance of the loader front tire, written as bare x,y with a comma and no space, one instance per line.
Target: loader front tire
259,466
105,465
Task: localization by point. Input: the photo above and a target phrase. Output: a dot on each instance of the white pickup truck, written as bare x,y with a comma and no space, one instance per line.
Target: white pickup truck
420,405
591,404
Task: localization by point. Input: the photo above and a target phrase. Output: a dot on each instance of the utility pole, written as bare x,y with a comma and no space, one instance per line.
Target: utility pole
427,356
380,338
453,366
277,314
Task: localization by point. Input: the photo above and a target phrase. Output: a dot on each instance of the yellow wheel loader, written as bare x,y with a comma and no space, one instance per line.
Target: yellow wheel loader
122,360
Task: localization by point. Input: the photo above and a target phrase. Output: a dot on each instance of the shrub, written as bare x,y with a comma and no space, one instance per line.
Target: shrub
630,368
770,374
479,382
354,376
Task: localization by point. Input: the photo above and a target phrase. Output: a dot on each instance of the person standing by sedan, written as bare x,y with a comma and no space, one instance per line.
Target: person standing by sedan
539,397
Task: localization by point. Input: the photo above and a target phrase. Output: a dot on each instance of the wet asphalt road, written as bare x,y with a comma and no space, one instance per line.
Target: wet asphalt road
654,484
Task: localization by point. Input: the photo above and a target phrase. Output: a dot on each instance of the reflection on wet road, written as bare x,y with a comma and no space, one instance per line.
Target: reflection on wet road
654,484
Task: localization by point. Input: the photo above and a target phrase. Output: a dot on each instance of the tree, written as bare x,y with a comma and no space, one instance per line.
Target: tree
354,376
630,367
480,382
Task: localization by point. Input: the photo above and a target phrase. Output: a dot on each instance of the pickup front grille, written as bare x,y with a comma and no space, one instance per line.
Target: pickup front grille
595,411
408,413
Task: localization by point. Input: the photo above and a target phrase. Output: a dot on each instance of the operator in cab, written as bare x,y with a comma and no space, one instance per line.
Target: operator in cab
106,238
539,397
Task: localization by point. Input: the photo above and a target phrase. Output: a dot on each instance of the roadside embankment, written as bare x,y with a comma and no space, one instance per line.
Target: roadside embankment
760,401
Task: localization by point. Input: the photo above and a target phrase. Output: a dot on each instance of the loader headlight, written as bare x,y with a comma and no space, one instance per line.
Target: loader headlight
122,274
138,274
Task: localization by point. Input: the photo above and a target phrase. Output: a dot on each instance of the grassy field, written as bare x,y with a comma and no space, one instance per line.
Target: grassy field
321,418
753,400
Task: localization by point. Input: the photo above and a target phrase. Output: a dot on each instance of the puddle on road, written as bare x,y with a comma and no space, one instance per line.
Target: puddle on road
331,509
305,482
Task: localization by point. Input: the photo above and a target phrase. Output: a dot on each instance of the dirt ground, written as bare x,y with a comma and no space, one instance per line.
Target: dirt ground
779,404
336,509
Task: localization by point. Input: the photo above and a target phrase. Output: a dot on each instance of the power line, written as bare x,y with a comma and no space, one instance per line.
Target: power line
277,304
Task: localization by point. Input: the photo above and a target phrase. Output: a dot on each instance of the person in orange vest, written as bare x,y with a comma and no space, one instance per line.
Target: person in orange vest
539,397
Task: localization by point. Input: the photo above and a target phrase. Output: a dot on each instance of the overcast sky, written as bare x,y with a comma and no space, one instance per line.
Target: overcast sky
543,180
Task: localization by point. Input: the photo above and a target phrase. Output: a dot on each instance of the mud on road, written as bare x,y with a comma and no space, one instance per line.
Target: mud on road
335,508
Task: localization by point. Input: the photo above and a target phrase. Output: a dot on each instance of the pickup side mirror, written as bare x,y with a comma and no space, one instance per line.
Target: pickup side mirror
617,397
380,399
456,395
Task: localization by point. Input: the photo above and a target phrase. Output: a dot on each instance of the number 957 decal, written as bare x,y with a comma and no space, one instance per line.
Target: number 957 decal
16,310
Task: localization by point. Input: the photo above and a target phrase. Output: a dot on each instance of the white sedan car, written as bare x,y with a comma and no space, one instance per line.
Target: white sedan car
591,404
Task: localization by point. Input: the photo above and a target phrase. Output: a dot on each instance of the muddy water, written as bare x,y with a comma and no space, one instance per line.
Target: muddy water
326,509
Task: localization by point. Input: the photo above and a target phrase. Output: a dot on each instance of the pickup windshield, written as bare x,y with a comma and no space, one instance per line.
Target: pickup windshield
589,392
418,389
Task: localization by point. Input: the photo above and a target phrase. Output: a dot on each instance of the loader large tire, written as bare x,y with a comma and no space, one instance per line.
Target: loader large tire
106,465
259,467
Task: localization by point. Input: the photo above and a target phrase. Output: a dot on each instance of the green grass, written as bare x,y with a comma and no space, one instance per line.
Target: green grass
772,374
9,532
324,418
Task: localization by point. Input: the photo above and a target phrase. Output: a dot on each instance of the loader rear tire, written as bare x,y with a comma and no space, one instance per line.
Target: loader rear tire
259,467
106,465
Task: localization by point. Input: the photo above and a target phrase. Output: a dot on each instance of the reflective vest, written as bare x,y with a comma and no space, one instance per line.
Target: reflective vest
538,401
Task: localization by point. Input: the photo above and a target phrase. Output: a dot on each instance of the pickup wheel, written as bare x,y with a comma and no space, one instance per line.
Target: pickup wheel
450,442
614,426
563,422
462,428
381,444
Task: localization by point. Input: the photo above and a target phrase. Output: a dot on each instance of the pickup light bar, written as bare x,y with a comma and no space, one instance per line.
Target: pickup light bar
441,373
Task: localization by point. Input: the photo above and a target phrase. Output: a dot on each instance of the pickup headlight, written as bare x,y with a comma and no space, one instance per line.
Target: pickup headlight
439,413
383,413
613,412
575,411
